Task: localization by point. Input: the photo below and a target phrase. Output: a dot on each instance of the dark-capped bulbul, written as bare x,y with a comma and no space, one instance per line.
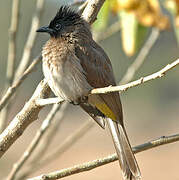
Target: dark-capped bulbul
73,65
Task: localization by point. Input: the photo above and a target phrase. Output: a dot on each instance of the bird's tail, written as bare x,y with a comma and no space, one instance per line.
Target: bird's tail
127,161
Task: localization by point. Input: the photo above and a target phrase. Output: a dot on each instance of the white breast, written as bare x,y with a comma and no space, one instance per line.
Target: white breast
68,80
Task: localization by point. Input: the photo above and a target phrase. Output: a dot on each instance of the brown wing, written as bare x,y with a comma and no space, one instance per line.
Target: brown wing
99,73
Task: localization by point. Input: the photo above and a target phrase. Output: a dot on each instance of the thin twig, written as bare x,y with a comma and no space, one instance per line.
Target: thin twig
141,56
3,118
11,90
82,7
11,57
12,41
47,140
159,74
67,143
26,116
100,162
30,40
142,80
27,51
114,28
30,149
77,3
43,145
44,102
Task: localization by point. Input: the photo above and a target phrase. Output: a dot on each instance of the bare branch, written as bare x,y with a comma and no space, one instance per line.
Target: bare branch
46,141
100,162
45,125
11,57
141,56
27,115
43,145
30,40
67,143
11,90
12,41
82,7
114,28
12,51
142,80
43,102
91,10
77,3
3,120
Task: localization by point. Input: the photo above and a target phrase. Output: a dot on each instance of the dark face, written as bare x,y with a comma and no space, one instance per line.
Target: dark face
53,29
64,18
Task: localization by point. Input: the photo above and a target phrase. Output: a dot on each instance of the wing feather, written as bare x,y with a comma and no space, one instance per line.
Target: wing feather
99,73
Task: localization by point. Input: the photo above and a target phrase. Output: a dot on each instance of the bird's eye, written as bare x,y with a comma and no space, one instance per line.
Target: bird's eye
58,26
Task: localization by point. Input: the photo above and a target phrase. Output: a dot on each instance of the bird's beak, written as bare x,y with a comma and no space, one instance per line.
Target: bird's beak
45,29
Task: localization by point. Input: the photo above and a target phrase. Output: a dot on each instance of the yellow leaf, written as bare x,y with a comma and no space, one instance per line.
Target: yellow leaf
128,32
133,33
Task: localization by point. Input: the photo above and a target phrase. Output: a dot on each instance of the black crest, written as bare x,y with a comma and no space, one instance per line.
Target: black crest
66,16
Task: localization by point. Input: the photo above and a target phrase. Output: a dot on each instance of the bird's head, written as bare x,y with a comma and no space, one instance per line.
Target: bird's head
64,22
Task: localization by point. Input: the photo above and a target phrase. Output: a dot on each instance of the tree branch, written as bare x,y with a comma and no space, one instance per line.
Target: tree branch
45,125
91,11
60,149
11,57
27,115
141,56
42,147
100,162
11,90
30,40
47,140
112,29
27,50
142,80
12,41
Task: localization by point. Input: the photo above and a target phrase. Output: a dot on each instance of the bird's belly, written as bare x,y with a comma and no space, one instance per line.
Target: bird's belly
66,82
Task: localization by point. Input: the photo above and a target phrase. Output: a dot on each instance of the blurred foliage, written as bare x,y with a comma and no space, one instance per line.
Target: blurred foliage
136,17
173,7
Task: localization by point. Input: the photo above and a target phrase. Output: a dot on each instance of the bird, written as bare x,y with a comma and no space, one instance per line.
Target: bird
73,64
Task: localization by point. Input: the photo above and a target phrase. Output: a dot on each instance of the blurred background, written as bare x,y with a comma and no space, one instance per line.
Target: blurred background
151,110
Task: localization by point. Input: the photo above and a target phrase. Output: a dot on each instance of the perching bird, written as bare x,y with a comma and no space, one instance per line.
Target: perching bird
73,65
